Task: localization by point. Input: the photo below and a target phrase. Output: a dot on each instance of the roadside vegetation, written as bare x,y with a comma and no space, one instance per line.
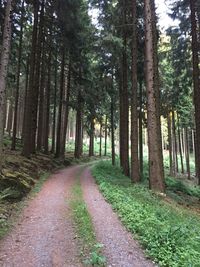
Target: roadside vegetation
169,232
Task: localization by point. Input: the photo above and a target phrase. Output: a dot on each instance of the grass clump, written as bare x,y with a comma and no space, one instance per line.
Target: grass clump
170,234
90,249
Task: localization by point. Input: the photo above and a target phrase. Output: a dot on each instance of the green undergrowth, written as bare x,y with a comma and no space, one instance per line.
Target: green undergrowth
90,249
169,233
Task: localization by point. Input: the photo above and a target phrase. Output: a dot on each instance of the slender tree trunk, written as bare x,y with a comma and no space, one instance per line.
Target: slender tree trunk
180,148
91,147
124,101
140,130
3,71
106,136
30,108
135,173
156,170
25,97
112,131
187,153
196,83
78,140
54,106
13,146
175,143
100,145
59,123
169,123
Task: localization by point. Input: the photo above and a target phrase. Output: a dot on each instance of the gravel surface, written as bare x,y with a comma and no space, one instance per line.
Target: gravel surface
44,235
120,249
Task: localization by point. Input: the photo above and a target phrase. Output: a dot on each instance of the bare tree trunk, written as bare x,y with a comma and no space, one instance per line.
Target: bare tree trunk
59,124
79,134
124,101
187,153
112,131
3,71
106,136
180,147
169,124
28,142
140,131
156,170
91,148
135,173
196,83
13,146
100,145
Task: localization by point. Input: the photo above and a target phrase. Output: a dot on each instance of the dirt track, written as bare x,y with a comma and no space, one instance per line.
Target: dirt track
44,235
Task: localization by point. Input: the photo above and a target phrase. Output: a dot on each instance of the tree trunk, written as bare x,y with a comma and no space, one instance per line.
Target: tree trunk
78,140
13,146
169,124
91,147
124,102
187,153
106,136
59,123
196,83
140,130
30,107
156,170
3,71
54,106
112,131
135,173
175,143
100,145
180,148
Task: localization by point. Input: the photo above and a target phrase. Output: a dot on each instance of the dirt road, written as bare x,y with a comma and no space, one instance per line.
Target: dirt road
45,237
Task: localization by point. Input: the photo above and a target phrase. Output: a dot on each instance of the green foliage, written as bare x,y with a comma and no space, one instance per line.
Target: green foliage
169,234
177,185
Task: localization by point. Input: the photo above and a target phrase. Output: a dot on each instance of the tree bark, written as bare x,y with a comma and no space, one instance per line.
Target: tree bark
112,131
196,83
135,173
3,71
124,102
28,123
13,146
156,170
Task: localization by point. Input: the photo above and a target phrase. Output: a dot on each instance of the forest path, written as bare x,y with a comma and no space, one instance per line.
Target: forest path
45,236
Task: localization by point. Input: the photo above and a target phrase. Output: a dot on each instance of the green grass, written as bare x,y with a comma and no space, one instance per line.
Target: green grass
170,234
90,250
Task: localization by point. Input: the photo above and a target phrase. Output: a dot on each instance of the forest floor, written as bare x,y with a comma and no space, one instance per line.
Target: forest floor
47,233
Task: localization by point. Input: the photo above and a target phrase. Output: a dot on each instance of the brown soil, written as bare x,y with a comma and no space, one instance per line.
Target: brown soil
44,235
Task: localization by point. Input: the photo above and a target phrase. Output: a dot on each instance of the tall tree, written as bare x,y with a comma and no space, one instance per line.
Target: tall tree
135,175
196,82
3,71
156,171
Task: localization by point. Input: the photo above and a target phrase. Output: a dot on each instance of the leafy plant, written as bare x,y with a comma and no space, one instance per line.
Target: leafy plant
170,234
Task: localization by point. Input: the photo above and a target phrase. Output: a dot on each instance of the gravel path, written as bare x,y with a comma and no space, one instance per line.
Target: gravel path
119,247
44,236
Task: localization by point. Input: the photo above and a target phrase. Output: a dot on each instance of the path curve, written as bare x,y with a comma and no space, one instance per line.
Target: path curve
44,236
120,249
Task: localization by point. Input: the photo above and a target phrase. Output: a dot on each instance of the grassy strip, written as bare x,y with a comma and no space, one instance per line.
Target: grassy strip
170,234
90,249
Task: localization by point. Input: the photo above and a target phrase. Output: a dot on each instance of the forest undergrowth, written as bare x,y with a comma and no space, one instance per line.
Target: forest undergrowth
169,232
